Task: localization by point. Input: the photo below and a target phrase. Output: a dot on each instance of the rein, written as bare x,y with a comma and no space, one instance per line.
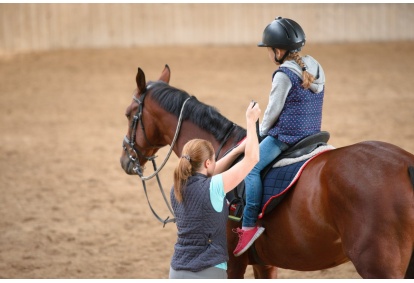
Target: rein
225,140
157,170
138,168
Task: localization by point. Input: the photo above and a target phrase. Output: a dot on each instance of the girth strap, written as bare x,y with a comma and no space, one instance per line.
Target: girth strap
255,255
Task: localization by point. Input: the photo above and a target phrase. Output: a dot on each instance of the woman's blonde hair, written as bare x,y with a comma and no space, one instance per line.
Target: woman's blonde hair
307,78
194,153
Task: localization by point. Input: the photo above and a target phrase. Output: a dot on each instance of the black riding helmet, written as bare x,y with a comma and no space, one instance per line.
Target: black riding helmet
284,34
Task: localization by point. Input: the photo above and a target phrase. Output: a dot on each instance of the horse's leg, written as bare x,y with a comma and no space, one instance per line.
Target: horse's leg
236,266
264,271
409,274
382,257
379,241
410,270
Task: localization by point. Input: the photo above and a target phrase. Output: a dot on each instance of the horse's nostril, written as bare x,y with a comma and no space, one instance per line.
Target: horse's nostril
133,154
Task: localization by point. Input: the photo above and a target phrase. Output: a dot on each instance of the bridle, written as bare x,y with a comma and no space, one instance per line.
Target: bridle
136,153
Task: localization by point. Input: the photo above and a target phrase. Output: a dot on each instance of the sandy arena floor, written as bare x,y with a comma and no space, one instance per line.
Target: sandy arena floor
67,208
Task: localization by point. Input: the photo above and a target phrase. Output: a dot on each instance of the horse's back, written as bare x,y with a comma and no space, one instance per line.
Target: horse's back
376,152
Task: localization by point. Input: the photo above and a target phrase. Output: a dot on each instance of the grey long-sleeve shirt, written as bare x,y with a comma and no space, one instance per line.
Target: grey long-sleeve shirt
281,85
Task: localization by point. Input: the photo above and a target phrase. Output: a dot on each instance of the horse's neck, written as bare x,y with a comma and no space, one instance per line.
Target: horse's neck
167,128
191,131
228,146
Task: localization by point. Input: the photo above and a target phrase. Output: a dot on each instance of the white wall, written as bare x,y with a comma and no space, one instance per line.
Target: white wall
26,27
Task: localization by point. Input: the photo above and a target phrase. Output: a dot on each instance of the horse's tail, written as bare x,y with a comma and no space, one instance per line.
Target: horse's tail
410,270
411,173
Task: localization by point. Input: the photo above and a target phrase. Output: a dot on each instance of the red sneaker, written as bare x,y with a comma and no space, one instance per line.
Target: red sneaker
246,239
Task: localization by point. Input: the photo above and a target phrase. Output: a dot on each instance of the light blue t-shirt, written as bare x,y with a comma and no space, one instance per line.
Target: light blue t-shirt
217,196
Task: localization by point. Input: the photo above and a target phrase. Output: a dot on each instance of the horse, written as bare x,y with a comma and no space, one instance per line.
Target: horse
353,203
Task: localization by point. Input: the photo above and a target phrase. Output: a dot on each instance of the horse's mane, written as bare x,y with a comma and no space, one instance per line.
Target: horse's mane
204,116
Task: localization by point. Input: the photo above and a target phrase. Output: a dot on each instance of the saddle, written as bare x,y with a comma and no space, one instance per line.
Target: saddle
237,196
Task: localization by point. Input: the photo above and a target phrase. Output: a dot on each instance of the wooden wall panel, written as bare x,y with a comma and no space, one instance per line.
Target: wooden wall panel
26,27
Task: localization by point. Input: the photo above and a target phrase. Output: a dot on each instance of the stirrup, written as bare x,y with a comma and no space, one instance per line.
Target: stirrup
238,214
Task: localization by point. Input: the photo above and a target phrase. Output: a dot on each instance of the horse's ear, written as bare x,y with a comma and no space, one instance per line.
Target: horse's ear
141,83
165,75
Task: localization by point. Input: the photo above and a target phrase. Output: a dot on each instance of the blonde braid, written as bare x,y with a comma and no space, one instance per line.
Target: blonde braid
307,77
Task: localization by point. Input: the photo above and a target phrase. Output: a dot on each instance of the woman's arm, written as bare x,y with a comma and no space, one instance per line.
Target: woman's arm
225,162
233,176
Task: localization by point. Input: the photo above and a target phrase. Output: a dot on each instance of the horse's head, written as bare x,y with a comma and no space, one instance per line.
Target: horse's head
156,110
142,140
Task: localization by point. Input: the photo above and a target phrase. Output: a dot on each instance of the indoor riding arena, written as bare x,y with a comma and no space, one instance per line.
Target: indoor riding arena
67,73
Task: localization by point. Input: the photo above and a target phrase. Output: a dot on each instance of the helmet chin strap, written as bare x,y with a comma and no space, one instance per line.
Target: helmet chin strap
283,58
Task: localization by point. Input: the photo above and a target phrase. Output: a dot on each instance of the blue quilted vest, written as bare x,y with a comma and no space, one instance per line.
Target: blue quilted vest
301,115
201,233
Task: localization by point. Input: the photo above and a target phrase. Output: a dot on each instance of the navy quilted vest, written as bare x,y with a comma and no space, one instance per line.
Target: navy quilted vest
301,115
201,233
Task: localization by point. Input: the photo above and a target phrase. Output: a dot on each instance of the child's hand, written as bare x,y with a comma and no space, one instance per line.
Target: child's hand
253,112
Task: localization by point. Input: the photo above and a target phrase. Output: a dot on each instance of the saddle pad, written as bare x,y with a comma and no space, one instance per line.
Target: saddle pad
278,181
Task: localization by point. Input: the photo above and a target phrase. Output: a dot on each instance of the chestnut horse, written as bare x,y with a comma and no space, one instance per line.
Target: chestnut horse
354,203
